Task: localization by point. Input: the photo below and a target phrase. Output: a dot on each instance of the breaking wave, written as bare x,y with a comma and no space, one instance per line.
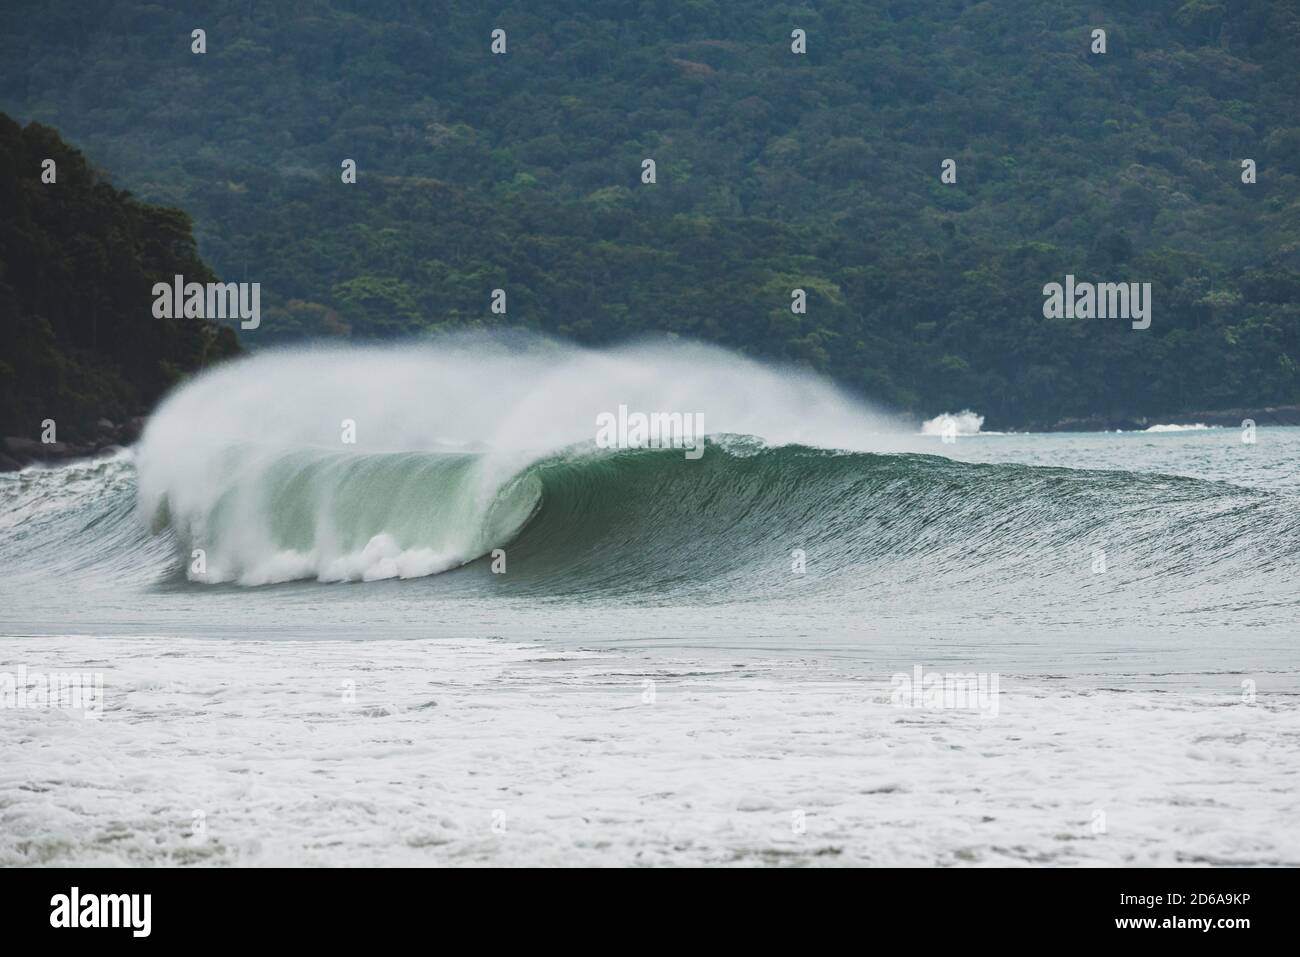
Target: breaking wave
243,476
347,464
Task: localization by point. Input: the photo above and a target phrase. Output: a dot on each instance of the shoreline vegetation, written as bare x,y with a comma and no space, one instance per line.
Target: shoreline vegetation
885,209
82,356
65,352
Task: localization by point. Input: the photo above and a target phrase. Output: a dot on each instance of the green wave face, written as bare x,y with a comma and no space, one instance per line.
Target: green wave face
889,535
727,527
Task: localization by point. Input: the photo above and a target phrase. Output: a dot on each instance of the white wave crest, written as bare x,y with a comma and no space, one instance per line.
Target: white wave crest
965,422
1177,428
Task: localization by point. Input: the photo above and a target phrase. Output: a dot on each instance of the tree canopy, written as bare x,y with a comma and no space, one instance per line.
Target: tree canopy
775,171
78,260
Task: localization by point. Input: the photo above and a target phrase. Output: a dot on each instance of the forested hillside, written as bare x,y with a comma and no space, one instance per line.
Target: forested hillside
78,259
774,171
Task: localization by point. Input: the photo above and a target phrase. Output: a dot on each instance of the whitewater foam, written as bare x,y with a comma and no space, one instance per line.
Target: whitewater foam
965,422
1198,427
445,732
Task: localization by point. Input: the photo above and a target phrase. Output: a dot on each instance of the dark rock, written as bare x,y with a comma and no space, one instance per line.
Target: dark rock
1227,418
20,447
131,429
24,451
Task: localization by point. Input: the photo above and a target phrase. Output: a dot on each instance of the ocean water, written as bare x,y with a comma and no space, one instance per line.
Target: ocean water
310,655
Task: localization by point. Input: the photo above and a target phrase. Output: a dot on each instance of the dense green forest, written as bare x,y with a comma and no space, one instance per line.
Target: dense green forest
78,259
775,170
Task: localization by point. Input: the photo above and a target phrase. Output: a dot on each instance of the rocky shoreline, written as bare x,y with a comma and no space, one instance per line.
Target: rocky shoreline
1227,418
18,452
